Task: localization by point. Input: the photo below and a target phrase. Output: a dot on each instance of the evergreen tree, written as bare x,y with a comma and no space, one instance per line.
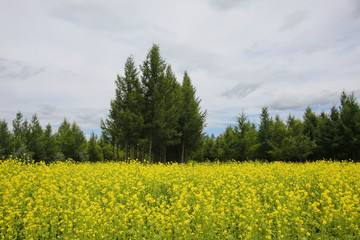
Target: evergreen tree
264,134
36,140
167,115
335,133
111,127
298,146
245,138
19,132
94,150
227,147
324,138
5,140
311,128
130,112
310,123
209,148
192,119
125,121
106,148
153,75
278,133
350,126
110,133
71,141
50,145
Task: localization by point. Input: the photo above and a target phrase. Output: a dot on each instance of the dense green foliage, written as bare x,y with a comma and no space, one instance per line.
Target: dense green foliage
156,115
334,135
29,141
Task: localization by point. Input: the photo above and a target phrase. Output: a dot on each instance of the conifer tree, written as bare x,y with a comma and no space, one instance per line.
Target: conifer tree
278,133
151,112
35,139
125,121
298,145
153,75
94,150
264,134
19,132
168,114
71,141
50,145
311,130
245,138
209,148
110,131
5,140
130,118
106,148
335,133
350,126
227,144
192,119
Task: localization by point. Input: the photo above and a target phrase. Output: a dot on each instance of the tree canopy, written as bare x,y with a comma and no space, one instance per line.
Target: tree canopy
156,115
157,118
332,135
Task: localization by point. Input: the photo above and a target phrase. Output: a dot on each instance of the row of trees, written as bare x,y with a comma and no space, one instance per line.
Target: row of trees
334,135
171,136
28,140
152,116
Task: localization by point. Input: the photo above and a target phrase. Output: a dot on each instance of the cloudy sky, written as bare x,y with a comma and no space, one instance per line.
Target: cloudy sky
60,59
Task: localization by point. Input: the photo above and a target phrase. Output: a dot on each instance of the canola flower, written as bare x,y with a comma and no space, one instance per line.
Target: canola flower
249,200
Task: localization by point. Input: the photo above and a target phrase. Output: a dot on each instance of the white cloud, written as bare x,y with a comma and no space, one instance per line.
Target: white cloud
60,58
15,70
240,90
228,4
293,20
292,100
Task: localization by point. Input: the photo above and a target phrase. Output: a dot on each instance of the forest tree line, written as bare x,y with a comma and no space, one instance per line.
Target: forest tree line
154,117
29,141
333,135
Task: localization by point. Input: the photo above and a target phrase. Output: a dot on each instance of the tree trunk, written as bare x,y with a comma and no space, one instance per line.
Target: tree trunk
142,152
113,152
134,153
126,151
150,148
117,153
164,154
182,152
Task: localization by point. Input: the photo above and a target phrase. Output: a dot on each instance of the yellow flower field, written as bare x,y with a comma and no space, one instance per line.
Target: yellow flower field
249,200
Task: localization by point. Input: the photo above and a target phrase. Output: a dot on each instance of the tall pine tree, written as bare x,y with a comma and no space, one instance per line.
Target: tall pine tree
153,75
264,134
129,111
192,119
36,139
350,126
5,140
71,141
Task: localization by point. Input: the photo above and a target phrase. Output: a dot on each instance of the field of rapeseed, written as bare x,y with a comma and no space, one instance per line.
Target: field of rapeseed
249,200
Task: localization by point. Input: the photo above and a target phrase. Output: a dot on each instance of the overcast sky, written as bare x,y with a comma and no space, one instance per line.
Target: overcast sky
60,59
